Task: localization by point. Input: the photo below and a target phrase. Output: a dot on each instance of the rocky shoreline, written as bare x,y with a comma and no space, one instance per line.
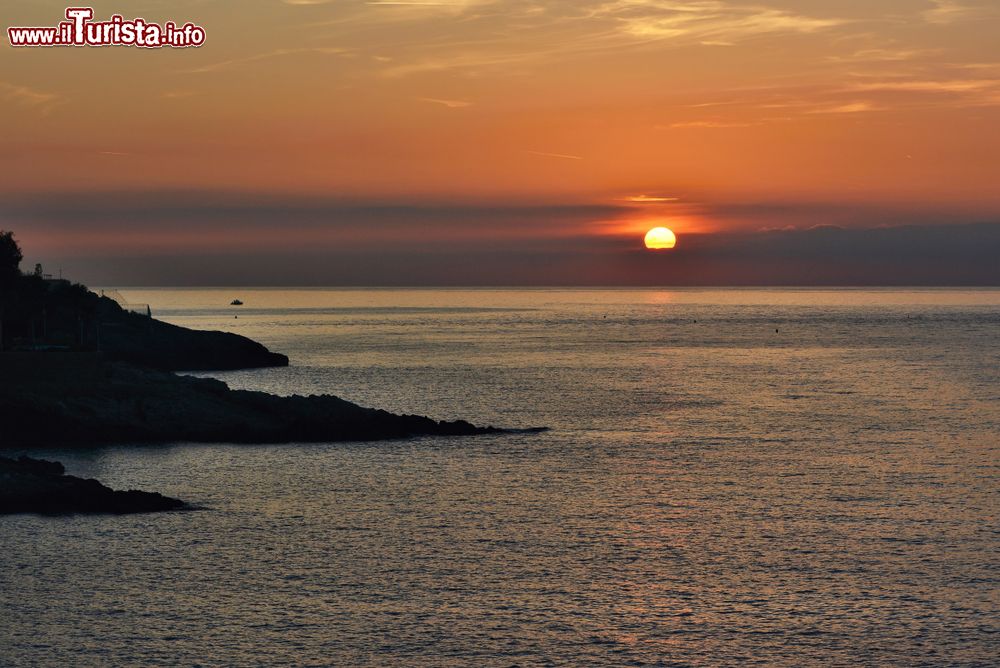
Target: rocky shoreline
71,399
81,371
38,486
144,341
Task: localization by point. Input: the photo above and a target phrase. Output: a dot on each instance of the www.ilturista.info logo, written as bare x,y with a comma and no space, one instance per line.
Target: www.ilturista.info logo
80,30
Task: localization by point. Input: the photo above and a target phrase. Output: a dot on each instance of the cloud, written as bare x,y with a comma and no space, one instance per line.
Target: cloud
28,97
459,4
470,61
880,55
929,86
227,238
705,124
948,11
828,256
456,4
849,108
951,92
711,21
267,55
650,199
523,34
564,156
977,86
451,104
903,254
187,211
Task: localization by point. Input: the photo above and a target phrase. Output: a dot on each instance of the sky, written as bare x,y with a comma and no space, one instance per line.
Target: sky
492,142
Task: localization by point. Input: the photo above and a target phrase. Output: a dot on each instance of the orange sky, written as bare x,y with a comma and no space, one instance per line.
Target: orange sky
867,105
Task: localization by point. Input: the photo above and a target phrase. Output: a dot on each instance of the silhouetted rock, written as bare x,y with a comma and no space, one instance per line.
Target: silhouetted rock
56,314
145,341
71,398
39,486
79,369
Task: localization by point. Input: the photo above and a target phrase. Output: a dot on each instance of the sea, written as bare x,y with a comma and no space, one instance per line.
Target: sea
730,477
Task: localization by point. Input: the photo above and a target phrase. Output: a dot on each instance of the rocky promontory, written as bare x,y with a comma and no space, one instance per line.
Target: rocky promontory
58,315
78,368
82,398
38,486
145,341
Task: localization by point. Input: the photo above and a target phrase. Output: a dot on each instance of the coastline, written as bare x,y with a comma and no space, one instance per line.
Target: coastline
96,374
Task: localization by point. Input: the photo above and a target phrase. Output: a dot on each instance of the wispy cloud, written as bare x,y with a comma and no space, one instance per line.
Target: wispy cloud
416,9
268,55
706,124
930,86
649,199
949,11
28,97
470,61
707,21
849,108
912,87
563,156
451,104
879,55
25,96
942,92
528,33
422,3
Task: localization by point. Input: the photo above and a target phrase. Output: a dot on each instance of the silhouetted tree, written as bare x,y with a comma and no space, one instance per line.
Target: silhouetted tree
10,272
10,260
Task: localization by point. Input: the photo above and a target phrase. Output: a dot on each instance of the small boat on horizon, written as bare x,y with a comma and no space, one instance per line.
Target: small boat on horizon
236,302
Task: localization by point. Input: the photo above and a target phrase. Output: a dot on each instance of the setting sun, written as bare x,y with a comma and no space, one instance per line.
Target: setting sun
660,238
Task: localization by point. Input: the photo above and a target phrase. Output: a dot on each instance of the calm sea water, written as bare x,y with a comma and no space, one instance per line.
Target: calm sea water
744,477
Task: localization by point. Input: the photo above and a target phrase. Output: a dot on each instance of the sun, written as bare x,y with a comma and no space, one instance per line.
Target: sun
660,238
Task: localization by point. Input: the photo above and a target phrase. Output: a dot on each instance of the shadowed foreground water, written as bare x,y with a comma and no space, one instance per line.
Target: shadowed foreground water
713,491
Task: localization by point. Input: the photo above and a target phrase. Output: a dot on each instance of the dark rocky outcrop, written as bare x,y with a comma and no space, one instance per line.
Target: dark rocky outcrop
48,314
78,368
38,486
80,398
144,341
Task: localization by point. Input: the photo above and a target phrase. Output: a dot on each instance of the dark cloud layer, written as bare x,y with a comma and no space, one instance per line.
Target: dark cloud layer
220,239
193,210
956,254
942,255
